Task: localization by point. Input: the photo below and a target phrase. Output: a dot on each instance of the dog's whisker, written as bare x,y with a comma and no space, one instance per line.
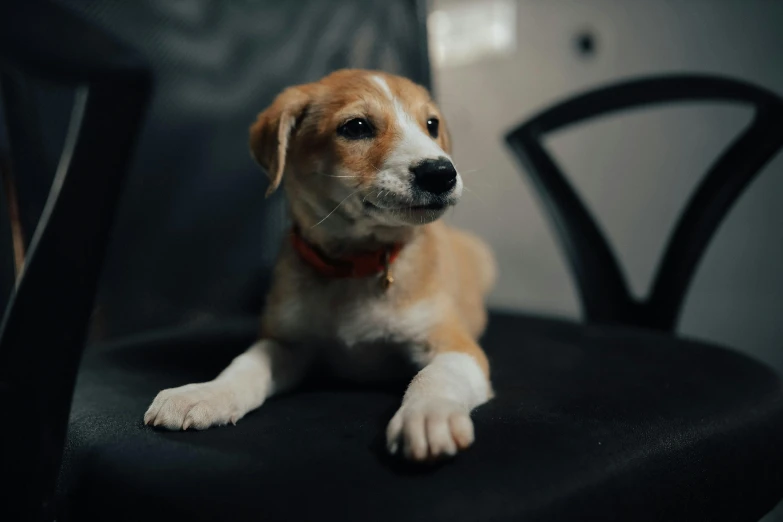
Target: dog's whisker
471,191
482,183
474,193
335,208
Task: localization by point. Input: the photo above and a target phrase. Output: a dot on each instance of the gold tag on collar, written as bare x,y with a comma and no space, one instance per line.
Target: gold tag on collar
387,279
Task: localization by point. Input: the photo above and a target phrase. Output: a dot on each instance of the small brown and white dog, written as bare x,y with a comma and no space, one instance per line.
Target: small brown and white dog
369,277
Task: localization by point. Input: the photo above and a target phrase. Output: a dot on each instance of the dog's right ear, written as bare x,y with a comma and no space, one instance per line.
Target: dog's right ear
270,134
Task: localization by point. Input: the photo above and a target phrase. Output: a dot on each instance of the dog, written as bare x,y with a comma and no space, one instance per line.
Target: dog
371,283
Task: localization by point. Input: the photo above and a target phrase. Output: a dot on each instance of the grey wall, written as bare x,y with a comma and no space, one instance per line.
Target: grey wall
635,171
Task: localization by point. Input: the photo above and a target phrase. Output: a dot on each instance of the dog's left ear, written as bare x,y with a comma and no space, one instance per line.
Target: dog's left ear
270,134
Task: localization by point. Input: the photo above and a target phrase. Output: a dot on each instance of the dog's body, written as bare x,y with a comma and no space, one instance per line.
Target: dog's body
366,171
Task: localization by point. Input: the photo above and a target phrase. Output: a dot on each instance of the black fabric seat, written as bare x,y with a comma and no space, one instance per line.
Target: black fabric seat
589,423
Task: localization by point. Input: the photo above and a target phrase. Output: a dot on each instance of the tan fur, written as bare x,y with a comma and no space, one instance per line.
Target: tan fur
354,195
271,132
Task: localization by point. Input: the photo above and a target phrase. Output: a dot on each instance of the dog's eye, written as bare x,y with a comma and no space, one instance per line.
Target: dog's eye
356,129
432,127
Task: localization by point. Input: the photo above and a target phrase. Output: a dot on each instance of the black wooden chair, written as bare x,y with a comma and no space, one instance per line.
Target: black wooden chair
614,419
602,288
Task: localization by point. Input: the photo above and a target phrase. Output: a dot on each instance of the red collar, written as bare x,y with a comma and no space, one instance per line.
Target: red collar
364,264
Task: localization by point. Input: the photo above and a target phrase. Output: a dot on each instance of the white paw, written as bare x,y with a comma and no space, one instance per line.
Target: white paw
196,406
430,428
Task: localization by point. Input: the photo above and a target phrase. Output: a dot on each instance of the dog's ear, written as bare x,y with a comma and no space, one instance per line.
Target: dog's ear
270,134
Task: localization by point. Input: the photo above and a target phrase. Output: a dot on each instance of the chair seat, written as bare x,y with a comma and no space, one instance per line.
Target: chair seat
589,423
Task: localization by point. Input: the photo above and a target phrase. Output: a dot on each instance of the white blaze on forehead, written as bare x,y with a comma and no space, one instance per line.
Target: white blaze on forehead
383,85
414,145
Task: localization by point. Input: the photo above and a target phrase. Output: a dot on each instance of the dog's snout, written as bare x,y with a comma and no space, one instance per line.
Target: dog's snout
437,176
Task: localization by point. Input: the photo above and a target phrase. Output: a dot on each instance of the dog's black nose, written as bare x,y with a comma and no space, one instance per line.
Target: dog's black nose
437,176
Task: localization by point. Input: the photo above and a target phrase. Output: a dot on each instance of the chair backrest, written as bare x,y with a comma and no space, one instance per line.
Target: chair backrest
195,239
603,290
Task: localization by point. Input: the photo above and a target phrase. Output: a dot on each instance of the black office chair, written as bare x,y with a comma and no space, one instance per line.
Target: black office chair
591,422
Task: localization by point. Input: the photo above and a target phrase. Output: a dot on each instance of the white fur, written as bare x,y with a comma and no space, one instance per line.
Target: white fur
434,418
359,329
373,321
383,85
241,387
413,146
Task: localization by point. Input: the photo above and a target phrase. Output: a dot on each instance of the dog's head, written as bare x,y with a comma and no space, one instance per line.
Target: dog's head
362,145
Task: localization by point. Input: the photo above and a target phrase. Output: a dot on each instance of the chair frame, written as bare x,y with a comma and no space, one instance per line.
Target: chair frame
602,288
44,328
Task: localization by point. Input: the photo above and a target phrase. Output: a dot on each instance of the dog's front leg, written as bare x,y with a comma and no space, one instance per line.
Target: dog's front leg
434,418
264,369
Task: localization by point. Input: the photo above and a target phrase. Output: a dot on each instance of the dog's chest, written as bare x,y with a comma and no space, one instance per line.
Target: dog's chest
364,331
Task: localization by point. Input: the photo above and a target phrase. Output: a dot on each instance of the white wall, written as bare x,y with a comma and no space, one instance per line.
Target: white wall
635,171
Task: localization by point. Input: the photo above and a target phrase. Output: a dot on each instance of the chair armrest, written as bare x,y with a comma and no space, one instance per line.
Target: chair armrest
44,328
